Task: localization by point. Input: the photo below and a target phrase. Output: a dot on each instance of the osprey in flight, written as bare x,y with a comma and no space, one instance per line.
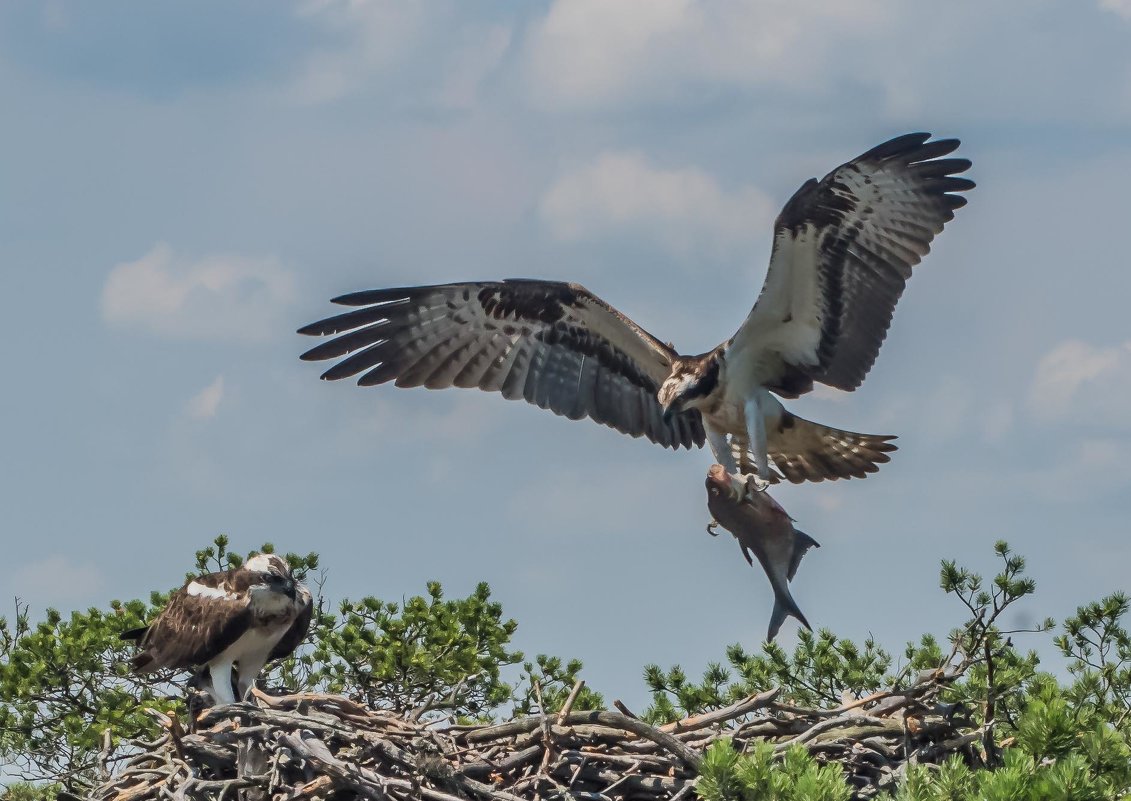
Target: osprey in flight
843,249
232,623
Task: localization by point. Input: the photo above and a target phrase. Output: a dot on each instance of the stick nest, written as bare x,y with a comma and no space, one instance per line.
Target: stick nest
328,747
310,746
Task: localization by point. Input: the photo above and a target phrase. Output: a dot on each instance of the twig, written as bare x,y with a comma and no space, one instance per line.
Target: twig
317,746
567,707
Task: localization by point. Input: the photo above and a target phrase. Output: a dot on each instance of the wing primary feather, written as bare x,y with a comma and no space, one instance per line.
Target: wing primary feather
556,345
844,248
345,322
932,150
347,343
358,362
379,297
898,146
939,168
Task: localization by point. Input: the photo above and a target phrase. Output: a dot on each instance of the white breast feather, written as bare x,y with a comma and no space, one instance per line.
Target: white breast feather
253,645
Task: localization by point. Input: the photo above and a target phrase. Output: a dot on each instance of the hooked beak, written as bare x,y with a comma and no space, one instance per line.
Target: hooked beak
669,411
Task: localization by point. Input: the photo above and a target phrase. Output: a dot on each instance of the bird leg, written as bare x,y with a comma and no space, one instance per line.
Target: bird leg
720,447
756,430
248,672
220,681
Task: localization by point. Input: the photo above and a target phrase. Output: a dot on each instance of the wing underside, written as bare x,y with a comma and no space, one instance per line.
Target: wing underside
552,344
843,250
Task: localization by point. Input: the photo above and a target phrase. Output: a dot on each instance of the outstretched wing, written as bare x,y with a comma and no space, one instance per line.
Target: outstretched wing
843,250
201,619
553,344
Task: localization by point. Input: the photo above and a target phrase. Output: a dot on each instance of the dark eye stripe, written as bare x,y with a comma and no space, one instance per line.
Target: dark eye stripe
706,385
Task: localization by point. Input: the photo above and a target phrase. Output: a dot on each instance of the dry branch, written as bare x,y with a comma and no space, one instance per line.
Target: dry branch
321,747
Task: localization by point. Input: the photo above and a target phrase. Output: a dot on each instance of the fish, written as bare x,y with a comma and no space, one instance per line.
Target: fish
764,530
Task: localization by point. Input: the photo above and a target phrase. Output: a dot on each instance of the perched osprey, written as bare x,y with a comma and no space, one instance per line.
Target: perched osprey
765,530
843,249
231,623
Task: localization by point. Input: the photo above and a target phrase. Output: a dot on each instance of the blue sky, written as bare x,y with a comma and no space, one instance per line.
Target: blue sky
184,187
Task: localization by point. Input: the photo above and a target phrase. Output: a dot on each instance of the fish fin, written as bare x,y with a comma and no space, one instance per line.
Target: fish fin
784,606
802,542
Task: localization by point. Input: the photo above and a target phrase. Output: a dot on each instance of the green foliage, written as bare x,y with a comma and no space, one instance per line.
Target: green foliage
1047,729
64,687
1073,777
217,557
1049,743
68,700
1098,648
1044,741
996,673
66,693
427,654
1057,753
823,669
953,780
546,684
727,775
26,791
68,703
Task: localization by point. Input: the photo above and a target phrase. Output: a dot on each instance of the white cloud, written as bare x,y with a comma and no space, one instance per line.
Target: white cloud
1083,381
832,62
1120,7
686,207
594,50
55,581
597,52
426,52
472,61
204,404
371,36
216,298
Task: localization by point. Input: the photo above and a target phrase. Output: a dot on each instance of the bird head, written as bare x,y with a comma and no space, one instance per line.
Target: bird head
691,381
274,572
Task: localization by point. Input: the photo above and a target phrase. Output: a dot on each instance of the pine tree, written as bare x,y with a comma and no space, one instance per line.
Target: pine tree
68,705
